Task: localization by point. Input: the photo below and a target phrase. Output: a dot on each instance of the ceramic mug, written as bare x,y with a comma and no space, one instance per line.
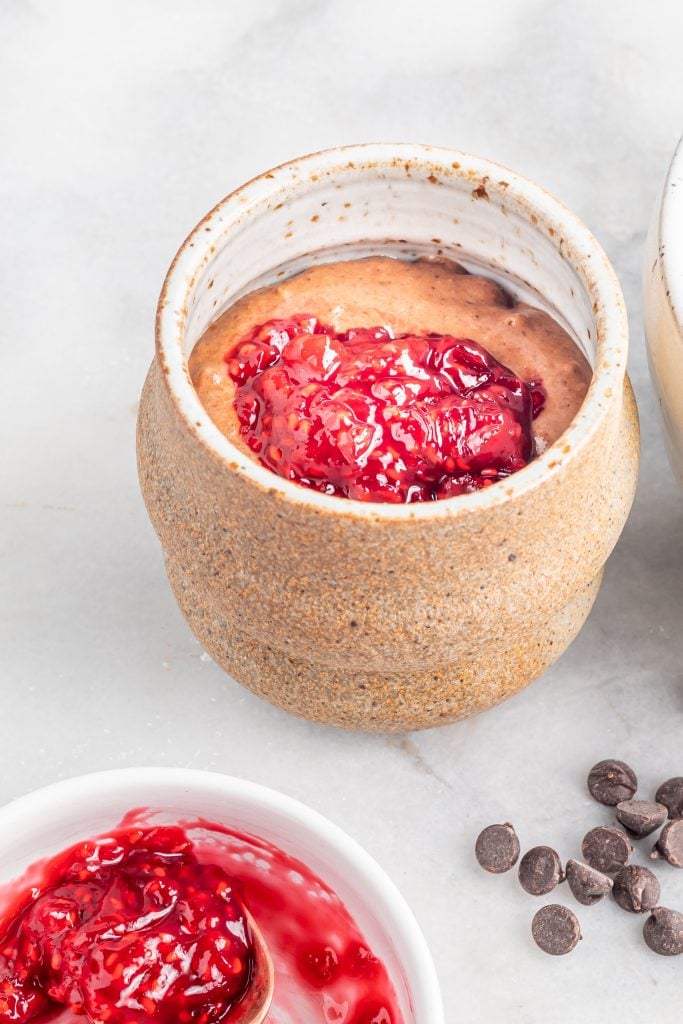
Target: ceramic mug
663,307
379,616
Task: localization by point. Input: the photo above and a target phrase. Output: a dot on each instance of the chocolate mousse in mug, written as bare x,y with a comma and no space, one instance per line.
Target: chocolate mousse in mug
382,394
387,440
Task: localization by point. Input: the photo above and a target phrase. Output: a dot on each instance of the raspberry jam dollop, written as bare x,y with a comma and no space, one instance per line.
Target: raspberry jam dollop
368,415
125,929
146,924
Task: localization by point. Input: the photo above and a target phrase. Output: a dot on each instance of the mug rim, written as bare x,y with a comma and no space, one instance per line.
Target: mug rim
670,249
587,254
420,971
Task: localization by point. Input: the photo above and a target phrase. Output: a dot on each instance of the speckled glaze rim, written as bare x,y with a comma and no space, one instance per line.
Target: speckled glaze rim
587,258
22,812
670,240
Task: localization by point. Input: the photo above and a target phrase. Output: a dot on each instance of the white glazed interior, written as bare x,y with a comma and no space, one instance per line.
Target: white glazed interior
403,200
51,819
663,307
671,232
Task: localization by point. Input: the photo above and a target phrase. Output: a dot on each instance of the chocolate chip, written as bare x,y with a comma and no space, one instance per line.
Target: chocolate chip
606,849
670,793
588,885
636,889
663,932
555,929
497,848
670,843
540,870
610,782
641,817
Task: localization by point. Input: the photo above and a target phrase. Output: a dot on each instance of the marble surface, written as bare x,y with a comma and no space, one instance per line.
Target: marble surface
121,124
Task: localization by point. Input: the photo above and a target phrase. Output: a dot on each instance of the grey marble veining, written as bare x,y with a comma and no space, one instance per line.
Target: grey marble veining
121,124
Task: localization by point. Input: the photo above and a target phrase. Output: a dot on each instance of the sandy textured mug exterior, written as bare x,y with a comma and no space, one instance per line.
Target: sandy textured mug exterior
375,616
48,820
663,307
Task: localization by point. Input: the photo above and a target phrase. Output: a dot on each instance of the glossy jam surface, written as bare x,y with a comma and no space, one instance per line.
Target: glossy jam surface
127,928
370,416
102,931
325,970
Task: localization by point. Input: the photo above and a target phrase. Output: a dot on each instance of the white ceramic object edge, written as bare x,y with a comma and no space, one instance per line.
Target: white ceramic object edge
50,819
663,307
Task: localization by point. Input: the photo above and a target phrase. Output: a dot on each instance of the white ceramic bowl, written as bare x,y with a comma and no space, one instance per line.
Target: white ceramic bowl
663,307
51,819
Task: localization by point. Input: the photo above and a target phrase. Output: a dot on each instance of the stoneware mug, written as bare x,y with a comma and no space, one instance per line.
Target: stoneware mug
378,616
663,307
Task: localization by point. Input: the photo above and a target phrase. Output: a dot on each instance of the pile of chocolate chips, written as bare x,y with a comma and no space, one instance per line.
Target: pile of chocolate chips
605,866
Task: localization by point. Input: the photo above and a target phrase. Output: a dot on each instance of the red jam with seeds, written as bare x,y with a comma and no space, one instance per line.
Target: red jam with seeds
128,929
146,924
370,416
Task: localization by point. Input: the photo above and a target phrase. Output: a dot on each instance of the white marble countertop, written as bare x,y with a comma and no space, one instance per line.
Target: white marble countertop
121,124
